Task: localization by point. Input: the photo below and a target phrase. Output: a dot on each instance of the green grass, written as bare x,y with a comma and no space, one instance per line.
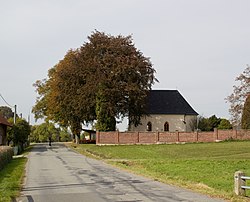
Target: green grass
11,178
205,167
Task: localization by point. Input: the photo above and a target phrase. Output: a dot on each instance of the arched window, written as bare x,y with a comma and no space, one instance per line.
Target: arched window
166,126
149,126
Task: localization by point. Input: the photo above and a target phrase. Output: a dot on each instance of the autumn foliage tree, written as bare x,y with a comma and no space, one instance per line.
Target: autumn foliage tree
106,78
238,97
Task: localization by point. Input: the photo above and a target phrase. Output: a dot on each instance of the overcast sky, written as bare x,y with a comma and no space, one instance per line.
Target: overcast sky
198,47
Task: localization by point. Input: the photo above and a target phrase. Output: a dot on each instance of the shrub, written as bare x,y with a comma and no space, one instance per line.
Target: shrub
6,154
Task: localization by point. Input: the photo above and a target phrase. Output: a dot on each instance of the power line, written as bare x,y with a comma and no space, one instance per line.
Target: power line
6,101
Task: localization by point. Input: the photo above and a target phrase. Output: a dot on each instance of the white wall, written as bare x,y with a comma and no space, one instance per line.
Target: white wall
176,122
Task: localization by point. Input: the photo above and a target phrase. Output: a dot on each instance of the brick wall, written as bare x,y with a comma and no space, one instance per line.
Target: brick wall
168,137
128,138
117,137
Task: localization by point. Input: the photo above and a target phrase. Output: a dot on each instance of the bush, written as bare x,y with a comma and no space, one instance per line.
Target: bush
6,154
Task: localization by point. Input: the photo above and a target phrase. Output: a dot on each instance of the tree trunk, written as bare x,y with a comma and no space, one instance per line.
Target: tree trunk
77,138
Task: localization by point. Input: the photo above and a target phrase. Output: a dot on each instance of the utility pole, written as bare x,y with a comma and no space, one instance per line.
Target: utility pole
15,114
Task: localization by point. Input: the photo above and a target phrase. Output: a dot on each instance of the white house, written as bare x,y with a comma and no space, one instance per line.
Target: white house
167,111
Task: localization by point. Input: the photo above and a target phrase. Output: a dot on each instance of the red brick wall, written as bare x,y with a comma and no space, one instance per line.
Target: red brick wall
168,137
206,137
128,138
147,137
117,137
107,138
187,137
225,134
243,134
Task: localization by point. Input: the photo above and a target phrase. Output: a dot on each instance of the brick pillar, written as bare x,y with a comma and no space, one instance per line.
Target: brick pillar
157,136
97,137
177,136
197,136
117,135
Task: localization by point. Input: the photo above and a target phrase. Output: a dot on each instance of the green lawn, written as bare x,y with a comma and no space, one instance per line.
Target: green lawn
205,167
11,178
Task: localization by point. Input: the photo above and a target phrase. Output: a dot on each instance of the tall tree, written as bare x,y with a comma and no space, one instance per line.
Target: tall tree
6,112
238,97
61,96
245,121
225,124
208,124
124,77
42,132
106,78
19,132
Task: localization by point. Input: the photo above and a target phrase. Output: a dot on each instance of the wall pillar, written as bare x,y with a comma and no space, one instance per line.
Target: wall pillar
197,136
117,136
177,136
97,137
238,182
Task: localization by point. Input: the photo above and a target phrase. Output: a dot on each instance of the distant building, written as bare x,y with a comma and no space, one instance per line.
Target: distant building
3,130
168,111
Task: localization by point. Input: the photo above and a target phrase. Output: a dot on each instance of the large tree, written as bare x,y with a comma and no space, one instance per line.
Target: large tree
238,97
106,78
208,124
224,124
42,132
19,132
122,78
6,112
60,96
245,121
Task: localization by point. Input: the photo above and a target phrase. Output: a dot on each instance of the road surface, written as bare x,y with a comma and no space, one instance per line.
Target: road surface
58,174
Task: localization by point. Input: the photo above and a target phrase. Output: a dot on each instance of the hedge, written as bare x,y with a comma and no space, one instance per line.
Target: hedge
6,154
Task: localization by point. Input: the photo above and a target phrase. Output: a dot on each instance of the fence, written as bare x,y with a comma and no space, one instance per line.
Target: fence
116,137
240,183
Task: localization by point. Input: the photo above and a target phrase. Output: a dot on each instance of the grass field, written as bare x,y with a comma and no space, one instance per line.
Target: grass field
11,178
204,167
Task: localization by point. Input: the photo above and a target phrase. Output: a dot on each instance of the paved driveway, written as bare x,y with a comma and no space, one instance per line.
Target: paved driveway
58,174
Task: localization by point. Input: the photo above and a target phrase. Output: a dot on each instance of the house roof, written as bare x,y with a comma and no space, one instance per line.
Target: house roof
88,130
168,102
4,121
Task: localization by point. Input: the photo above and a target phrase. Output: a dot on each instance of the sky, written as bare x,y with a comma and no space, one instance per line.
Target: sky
198,47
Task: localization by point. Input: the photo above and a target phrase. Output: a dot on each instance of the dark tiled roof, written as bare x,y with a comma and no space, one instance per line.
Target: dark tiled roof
4,121
168,102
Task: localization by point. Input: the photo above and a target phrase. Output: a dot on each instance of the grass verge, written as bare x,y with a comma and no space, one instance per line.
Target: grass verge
11,177
207,168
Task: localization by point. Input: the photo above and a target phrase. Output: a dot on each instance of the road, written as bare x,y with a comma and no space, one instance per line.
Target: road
58,174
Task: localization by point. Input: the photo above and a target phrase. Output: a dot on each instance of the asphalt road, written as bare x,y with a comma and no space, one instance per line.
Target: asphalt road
58,174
